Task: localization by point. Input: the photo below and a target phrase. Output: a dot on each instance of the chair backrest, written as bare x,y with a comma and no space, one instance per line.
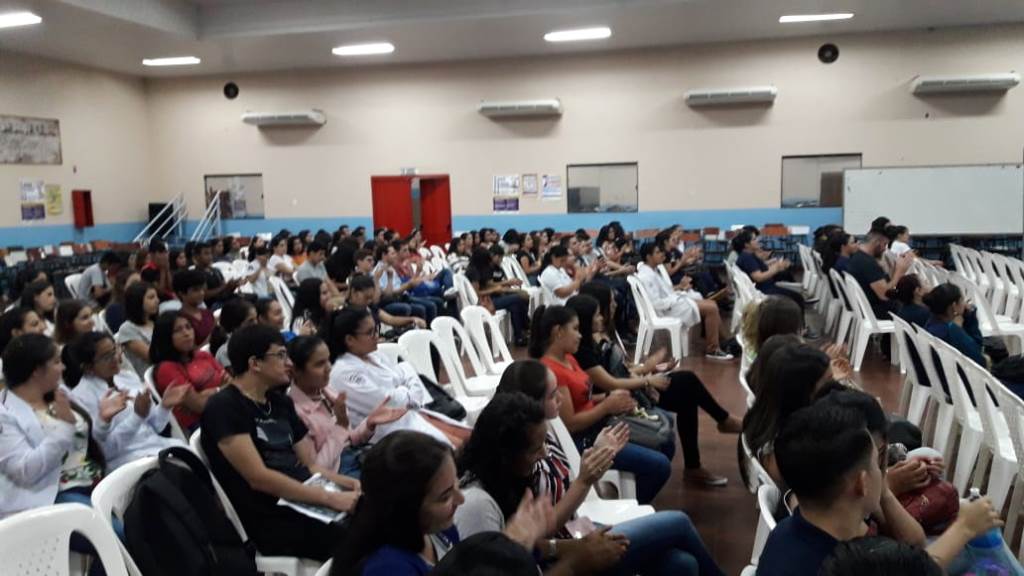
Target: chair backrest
71,283
986,317
568,445
840,286
861,306
176,431
227,270
325,570
284,297
391,350
240,266
663,273
447,329
39,541
477,321
768,498
415,346
195,443
986,396
100,321
1016,275
905,333
517,270
437,251
467,294
644,307
957,388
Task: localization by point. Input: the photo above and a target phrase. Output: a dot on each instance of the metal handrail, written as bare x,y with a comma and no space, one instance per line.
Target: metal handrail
210,220
178,210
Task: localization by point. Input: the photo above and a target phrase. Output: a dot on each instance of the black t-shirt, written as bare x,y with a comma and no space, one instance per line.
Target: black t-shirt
867,271
275,428
749,263
587,357
795,548
214,280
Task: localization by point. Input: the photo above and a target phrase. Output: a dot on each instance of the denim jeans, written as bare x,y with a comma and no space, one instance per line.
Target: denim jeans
664,543
350,462
405,309
652,468
518,310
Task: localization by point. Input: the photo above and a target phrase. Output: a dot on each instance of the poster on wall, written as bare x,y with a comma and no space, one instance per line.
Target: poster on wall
506,204
551,187
507,185
530,187
54,200
25,140
31,211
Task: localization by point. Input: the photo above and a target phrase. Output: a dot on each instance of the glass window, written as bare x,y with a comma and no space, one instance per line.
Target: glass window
602,187
815,181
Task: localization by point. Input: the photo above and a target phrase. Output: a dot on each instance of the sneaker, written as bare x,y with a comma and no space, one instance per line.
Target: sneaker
705,477
718,355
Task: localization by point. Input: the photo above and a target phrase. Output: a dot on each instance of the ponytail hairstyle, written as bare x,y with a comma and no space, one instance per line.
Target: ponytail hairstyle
942,297
554,251
833,249
78,354
544,321
585,307
905,288
340,325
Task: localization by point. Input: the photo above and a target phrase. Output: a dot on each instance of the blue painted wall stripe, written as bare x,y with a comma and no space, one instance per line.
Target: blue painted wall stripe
124,231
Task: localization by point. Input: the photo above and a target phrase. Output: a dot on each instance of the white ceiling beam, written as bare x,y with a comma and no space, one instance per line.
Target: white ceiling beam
171,16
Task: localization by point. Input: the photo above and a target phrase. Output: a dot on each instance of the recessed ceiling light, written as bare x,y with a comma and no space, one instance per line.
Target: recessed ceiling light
579,34
173,61
12,19
795,18
364,49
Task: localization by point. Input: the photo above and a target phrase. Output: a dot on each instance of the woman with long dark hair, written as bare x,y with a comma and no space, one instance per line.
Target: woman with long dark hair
681,392
141,304
74,317
38,295
554,338
177,361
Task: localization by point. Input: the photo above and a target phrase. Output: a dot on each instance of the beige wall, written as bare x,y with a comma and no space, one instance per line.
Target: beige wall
619,107
105,137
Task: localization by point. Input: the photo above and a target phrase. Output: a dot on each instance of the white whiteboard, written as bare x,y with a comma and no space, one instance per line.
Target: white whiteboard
936,200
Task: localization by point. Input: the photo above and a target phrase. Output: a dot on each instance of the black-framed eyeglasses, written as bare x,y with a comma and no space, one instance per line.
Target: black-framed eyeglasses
280,355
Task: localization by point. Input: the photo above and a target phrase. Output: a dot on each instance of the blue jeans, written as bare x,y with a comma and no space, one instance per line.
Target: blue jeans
350,465
405,309
665,543
518,310
652,468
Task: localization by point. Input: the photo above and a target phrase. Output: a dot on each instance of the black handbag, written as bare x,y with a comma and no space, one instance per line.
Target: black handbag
648,427
443,403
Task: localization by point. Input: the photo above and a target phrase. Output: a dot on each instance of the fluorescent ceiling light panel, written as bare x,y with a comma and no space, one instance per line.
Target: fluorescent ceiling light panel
364,49
173,61
12,19
579,34
797,18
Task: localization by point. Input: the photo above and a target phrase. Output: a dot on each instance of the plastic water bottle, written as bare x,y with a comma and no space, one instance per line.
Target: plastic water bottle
988,553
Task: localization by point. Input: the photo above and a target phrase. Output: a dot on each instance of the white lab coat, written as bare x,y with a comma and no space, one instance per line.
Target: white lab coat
665,299
30,456
367,382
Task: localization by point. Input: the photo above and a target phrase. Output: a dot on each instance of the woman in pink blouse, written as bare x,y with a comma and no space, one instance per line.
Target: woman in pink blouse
324,413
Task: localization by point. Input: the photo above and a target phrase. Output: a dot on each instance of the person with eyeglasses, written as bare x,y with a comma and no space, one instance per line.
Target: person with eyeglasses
177,360
260,451
92,370
368,377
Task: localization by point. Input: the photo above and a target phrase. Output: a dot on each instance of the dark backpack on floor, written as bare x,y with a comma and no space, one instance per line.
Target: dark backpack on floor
175,524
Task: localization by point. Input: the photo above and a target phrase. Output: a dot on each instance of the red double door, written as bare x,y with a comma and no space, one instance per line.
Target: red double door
395,205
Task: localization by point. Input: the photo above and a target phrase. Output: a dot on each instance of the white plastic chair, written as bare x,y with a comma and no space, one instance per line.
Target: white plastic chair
227,269
176,431
71,283
624,482
99,320
467,296
990,323
287,565
452,352
997,448
957,425
1013,409
38,541
867,324
415,346
284,297
768,498
914,395
391,350
325,570
650,322
514,270
477,320
844,325
111,497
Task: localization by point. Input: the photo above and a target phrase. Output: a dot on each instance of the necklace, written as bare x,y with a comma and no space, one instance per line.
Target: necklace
265,407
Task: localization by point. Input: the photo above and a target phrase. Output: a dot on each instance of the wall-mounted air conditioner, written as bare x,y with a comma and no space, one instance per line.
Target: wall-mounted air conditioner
298,118
727,96
507,108
1000,82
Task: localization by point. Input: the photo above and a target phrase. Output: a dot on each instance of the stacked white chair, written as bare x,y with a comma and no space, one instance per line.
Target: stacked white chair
915,393
514,271
650,322
468,297
286,565
972,430
997,447
990,323
284,297
845,325
38,541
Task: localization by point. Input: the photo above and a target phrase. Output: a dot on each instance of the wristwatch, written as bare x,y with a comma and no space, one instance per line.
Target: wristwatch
552,548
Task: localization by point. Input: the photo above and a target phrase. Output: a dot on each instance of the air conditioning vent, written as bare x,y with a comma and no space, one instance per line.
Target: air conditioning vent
298,118
727,96
1000,82
510,108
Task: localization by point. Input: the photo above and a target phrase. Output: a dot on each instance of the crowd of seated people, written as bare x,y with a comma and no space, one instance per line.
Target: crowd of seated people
182,339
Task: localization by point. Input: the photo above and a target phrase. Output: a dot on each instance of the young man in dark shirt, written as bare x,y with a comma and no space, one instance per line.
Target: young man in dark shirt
864,267
260,451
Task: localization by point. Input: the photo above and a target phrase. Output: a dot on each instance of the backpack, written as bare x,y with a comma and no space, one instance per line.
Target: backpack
175,523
